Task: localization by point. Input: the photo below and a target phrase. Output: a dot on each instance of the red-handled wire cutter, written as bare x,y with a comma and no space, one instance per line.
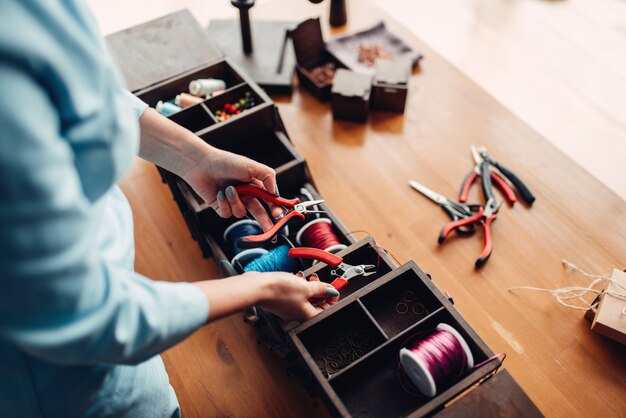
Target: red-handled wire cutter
481,169
292,209
342,271
485,217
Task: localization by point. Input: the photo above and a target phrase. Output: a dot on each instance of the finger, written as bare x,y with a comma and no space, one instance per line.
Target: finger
276,210
314,278
223,208
264,173
300,274
236,206
258,212
319,289
310,311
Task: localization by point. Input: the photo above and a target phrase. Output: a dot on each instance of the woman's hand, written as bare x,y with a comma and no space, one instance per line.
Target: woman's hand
210,171
289,296
293,298
212,179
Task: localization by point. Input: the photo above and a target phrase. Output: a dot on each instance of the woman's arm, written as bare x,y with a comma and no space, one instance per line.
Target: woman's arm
210,171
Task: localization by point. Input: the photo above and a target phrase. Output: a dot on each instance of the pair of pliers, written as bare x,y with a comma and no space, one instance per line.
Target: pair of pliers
455,210
342,271
487,176
485,217
293,208
522,189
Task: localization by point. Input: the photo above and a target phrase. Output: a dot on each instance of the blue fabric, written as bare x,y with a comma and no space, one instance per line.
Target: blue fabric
80,332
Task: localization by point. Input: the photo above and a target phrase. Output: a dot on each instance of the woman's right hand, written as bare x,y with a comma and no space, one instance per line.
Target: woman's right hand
292,297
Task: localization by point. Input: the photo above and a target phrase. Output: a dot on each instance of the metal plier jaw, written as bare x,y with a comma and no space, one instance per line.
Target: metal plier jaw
347,271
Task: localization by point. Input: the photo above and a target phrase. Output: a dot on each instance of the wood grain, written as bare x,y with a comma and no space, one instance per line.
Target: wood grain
362,172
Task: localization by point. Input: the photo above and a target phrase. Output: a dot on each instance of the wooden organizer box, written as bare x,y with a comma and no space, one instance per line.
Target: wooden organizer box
158,59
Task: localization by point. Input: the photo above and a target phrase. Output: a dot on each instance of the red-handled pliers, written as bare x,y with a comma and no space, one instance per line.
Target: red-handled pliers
496,179
342,271
485,217
293,209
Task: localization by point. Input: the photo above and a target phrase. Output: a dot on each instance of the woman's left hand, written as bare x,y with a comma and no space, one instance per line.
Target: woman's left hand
213,178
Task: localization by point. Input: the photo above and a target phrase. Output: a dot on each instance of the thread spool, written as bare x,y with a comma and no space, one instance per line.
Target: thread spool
205,86
276,259
319,233
240,229
186,100
437,360
167,108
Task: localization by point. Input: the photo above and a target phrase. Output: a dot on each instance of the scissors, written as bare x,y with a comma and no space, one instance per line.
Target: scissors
455,210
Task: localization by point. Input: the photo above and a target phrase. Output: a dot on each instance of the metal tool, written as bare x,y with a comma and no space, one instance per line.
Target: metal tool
455,210
293,208
485,217
488,177
522,189
342,271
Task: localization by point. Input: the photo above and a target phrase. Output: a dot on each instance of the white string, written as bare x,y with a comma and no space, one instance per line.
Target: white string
564,294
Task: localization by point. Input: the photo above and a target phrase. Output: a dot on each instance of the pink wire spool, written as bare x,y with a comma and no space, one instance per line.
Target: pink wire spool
437,360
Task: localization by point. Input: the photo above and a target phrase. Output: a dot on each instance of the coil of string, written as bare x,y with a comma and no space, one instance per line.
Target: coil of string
239,230
277,259
319,235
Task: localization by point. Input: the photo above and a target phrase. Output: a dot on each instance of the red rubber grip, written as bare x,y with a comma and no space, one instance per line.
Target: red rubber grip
268,235
316,254
339,283
254,191
467,183
487,249
461,222
504,187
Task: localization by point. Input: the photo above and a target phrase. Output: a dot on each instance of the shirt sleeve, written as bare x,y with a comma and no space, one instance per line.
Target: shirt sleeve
138,105
59,301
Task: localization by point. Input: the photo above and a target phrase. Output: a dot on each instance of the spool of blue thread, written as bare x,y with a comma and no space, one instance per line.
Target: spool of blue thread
275,260
238,230
167,108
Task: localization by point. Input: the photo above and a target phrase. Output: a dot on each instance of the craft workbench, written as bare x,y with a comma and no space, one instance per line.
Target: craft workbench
362,171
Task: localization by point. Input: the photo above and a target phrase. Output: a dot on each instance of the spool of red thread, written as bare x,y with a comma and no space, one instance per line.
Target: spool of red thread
319,234
437,360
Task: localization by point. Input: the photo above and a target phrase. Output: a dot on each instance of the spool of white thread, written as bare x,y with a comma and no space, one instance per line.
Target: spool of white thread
205,86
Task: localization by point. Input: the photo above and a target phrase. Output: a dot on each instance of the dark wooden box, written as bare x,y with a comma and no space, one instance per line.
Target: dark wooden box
391,82
351,95
310,50
365,383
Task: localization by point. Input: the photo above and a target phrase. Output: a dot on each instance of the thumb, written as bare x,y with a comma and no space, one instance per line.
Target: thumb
321,290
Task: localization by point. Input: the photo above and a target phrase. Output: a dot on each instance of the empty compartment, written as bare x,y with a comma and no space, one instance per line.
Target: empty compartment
364,251
401,302
194,118
167,90
373,388
340,339
233,96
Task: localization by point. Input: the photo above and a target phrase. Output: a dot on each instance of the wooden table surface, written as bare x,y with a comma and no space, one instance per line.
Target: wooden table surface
362,172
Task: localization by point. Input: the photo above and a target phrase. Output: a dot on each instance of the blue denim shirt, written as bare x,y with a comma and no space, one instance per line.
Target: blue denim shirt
80,332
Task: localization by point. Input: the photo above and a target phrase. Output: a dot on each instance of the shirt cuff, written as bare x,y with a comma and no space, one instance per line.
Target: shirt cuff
138,105
188,308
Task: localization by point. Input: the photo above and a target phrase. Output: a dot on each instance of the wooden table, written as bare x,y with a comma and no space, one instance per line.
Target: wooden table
362,172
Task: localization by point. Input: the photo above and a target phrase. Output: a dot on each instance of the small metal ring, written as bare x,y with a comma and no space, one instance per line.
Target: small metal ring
402,308
418,309
331,351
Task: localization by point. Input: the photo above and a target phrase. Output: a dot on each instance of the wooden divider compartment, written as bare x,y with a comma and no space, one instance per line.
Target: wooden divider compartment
369,386
194,118
400,303
168,89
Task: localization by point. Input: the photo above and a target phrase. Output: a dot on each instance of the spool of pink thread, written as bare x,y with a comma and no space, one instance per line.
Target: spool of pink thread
437,360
